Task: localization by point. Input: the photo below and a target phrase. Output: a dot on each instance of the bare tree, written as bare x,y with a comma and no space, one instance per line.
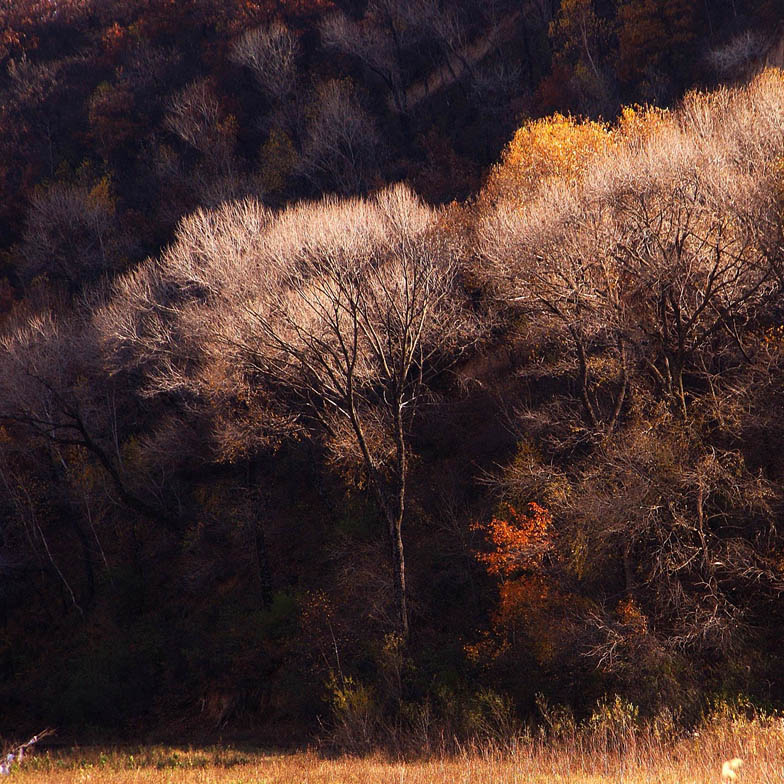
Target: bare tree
550,260
28,105
382,40
271,54
195,115
378,48
336,311
71,235
735,56
53,386
341,140
694,527
662,252
445,25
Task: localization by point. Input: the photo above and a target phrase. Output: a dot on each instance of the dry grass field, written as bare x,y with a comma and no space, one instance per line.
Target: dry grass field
603,755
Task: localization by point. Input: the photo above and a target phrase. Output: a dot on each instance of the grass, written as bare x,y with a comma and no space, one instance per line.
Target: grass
632,756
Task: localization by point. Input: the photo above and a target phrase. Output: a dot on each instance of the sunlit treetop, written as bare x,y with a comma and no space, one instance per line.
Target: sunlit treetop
552,147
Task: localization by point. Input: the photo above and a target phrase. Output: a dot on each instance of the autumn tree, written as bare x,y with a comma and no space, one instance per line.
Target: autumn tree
32,93
523,556
555,148
139,83
694,525
72,235
649,276
335,313
711,265
581,41
552,271
31,24
655,41
665,552
341,143
41,103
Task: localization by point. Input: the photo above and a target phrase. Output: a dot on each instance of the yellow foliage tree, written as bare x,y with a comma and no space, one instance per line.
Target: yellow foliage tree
561,147
638,123
555,147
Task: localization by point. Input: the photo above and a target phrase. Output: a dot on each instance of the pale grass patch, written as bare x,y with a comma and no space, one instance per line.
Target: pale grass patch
642,757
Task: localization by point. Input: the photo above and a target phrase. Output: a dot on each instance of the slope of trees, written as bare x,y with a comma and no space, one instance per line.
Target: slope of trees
649,279
284,446
169,106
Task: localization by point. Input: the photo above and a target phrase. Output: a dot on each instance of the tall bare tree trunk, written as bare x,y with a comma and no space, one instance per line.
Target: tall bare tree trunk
396,526
399,573
392,509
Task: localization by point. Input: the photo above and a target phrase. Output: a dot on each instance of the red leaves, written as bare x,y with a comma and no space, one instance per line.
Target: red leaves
520,542
530,602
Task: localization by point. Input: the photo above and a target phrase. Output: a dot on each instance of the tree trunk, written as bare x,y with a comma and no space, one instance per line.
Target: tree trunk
259,539
262,561
393,515
392,511
396,523
583,381
398,572
681,393
628,569
87,561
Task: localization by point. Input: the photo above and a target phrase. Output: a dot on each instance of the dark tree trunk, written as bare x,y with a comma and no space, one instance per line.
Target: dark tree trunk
262,560
259,539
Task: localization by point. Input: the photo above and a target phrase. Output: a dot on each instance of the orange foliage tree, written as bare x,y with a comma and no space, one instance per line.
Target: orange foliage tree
520,542
524,557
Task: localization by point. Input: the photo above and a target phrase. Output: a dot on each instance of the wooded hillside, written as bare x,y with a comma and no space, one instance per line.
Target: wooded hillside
380,372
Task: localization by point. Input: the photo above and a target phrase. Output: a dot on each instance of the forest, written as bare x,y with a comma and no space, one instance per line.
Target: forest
386,374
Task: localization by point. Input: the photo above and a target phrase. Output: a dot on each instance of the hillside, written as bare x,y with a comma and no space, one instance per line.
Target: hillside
348,390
